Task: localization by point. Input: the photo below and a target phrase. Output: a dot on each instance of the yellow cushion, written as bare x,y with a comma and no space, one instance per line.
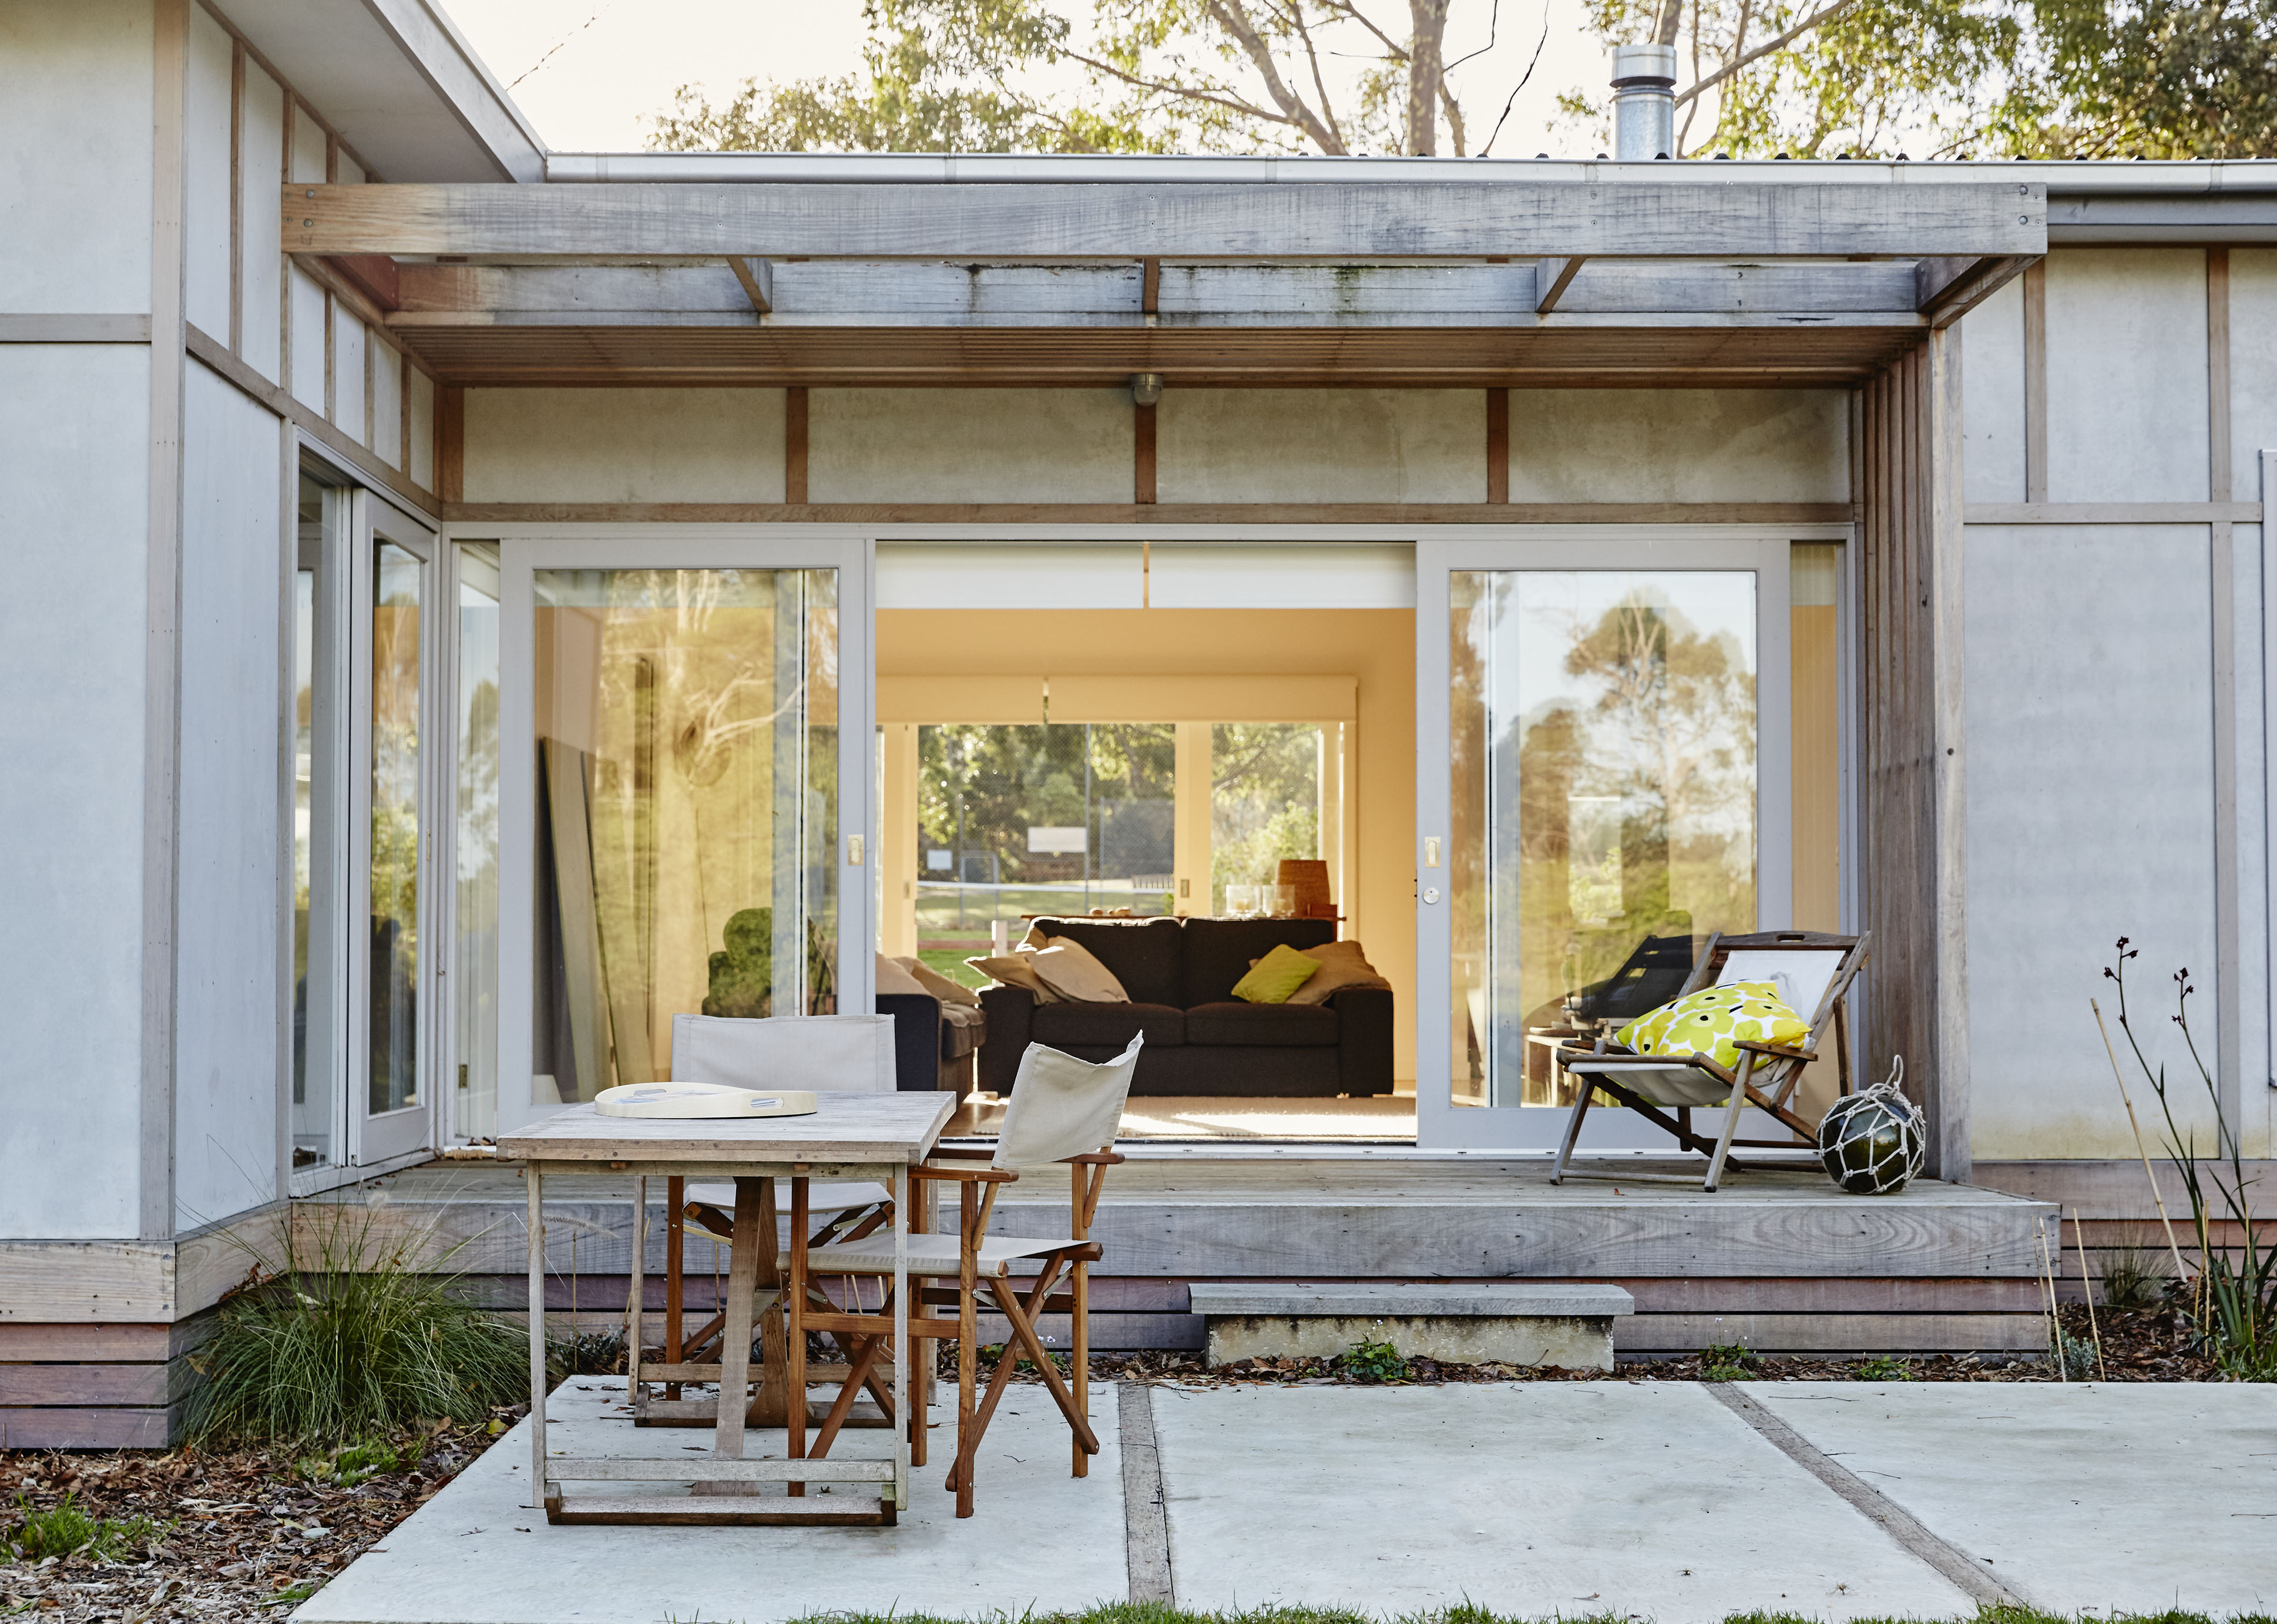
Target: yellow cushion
1712,1020
1274,976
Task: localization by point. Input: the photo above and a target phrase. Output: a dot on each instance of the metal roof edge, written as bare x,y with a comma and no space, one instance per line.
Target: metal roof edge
449,63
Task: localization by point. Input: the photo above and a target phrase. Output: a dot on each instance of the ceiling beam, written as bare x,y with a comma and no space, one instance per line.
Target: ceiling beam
1946,289
913,294
1327,220
1552,278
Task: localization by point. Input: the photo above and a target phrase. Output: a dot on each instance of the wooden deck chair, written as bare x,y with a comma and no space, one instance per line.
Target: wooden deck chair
852,1054
1813,971
1061,1109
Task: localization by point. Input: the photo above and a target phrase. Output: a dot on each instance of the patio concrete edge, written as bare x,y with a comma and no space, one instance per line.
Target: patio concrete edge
1901,1525
1147,1529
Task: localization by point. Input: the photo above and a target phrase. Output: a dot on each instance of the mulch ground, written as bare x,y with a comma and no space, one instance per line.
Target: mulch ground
244,1536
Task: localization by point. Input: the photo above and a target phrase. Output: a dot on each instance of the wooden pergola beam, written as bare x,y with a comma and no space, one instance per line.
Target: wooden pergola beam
1327,220
1948,288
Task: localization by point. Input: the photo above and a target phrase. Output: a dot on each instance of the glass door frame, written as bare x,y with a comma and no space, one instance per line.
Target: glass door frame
525,549
1440,1124
377,1138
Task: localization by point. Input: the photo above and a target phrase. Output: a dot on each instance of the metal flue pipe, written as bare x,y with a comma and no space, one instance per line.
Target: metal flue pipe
1644,102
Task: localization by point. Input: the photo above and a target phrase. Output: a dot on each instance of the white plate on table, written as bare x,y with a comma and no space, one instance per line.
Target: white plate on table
695,1100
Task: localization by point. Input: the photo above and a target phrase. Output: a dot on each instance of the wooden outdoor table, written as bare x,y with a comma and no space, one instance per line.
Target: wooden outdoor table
868,1136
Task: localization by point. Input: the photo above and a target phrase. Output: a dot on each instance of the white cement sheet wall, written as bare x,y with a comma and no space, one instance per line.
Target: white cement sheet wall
1679,446
206,180
2252,368
2127,374
624,445
227,981
1321,446
75,124
969,445
259,174
2090,816
1992,398
74,451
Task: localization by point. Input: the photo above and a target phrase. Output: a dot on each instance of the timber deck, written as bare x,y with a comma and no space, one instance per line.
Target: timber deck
1777,1260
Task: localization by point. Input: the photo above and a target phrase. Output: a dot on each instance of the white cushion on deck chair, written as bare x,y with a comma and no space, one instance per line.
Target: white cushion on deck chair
930,1256
1062,1106
1657,1081
821,1197
829,1054
1801,973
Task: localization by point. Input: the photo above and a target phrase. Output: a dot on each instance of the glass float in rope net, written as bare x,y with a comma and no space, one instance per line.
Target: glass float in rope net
1873,1143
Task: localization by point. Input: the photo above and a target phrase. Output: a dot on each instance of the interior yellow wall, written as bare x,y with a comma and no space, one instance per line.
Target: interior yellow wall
1373,646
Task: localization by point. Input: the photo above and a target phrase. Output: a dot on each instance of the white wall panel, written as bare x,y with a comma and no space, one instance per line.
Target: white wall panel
1321,445
420,462
261,169
75,449
308,332
2088,695
2127,374
309,163
225,1059
2252,368
348,357
1992,398
624,445
75,123
205,162
386,436
969,445
1679,446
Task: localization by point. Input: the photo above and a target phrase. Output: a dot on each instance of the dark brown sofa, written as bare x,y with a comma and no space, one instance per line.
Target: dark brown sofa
1200,1039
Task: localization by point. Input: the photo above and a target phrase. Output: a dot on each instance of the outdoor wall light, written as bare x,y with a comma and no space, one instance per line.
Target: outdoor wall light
1145,388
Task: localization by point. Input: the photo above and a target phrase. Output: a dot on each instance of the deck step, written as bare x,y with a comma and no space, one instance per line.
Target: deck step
1515,1323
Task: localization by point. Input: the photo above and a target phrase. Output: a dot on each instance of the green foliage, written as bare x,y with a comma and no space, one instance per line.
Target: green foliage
341,1339
355,1463
585,1352
1882,1368
2077,1358
66,1529
1265,792
2130,1277
2234,1299
980,788
1373,1362
1725,1361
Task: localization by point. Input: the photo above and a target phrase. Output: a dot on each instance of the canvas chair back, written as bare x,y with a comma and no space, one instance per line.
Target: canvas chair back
828,1054
1062,1106
1802,974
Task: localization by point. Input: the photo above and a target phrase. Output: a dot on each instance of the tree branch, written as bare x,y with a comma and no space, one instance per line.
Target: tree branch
1824,14
1226,99
1236,22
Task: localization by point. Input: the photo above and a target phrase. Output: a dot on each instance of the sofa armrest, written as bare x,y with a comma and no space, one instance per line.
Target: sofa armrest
1011,1013
1364,1022
917,1037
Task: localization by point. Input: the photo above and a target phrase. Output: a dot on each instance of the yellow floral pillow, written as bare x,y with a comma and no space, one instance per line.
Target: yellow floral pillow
1713,1021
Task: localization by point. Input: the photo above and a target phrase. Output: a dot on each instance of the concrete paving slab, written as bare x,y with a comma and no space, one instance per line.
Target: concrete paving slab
2133,1497
476,1553
1535,1499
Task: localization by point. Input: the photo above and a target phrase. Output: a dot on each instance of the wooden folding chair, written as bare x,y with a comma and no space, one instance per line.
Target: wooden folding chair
822,1053
1061,1109
1812,970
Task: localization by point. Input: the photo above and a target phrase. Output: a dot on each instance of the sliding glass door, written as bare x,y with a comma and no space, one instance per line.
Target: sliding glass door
1602,782
686,770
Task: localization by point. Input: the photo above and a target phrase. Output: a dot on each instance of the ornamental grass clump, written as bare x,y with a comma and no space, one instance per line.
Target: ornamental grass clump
66,1528
2232,1301
340,1340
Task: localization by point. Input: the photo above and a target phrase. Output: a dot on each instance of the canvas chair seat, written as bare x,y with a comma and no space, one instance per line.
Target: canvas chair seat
1813,975
930,1256
821,1197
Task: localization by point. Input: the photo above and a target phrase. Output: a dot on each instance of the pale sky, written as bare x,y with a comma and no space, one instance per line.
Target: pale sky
613,62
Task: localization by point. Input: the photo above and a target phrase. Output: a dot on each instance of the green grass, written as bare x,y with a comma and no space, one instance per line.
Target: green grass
341,1341
356,1463
1725,1361
293,1595
1882,1368
65,1530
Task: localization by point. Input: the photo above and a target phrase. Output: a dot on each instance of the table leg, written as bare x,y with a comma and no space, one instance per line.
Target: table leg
795,1331
912,1416
536,1223
635,1297
675,1242
735,1347
769,1408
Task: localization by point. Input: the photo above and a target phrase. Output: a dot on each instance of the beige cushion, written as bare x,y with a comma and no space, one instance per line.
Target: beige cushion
842,1054
1075,973
894,978
940,986
1342,964
1015,970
